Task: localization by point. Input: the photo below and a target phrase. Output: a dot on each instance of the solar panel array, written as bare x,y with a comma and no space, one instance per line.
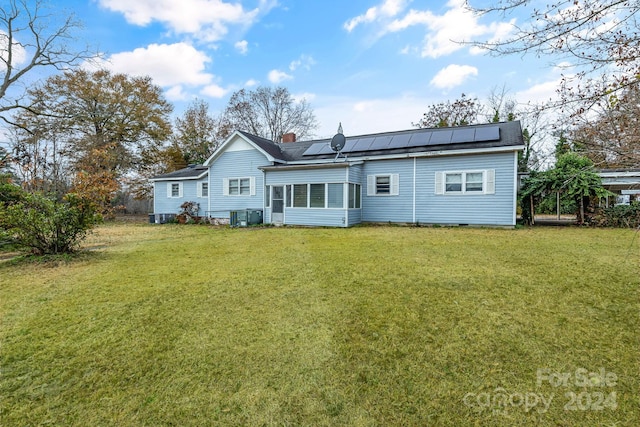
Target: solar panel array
407,140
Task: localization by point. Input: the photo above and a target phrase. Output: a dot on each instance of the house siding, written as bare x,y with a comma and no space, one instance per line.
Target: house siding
485,209
306,176
235,164
171,205
355,174
412,185
389,208
310,216
316,217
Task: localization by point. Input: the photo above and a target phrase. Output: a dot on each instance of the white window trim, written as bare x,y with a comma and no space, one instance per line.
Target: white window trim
488,182
200,188
357,187
345,195
170,188
252,186
394,184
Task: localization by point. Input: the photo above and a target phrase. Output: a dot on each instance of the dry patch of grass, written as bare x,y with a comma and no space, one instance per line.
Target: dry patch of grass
192,325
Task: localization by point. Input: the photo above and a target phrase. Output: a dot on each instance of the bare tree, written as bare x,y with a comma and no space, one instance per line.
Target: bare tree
270,113
610,136
597,37
461,112
32,37
500,107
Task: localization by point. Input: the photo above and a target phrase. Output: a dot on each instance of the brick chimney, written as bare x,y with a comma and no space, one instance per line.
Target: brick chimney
288,137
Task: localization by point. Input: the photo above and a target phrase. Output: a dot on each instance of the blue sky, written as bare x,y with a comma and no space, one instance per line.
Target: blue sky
374,65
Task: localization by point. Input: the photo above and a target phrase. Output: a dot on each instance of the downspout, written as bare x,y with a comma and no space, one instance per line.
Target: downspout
209,190
265,195
346,196
515,189
414,190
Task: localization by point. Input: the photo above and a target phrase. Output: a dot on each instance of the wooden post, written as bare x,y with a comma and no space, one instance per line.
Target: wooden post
533,215
558,204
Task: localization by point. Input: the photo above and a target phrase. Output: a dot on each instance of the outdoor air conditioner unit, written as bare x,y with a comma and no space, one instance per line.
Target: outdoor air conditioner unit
238,218
245,217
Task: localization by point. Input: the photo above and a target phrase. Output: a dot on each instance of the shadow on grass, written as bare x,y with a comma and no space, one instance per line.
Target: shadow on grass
17,259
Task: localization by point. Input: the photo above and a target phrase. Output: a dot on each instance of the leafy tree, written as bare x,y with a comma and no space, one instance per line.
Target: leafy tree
95,182
196,136
4,159
96,112
600,38
32,38
46,226
9,192
269,113
461,112
573,176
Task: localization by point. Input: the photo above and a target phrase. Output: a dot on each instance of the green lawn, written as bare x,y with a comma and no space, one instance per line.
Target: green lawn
194,326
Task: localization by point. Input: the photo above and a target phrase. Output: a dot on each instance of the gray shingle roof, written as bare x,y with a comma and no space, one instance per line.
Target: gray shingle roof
510,134
193,171
268,146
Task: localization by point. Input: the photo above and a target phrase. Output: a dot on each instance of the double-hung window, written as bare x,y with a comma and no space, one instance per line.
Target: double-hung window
465,182
239,186
316,195
174,190
300,195
335,195
354,196
203,189
383,184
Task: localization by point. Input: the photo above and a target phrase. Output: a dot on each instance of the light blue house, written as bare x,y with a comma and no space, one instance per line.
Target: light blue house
463,175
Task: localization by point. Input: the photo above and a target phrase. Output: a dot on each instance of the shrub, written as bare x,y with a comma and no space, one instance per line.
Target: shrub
46,226
619,216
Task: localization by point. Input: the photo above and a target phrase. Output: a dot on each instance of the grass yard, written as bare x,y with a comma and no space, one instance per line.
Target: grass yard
369,326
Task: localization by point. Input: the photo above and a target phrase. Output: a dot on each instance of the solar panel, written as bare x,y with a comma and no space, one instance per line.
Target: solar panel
419,139
400,141
380,143
441,137
361,144
463,135
326,149
314,149
488,133
348,146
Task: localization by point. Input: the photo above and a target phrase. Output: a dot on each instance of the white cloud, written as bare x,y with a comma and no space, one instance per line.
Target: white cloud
444,33
364,116
277,76
18,51
176,93
305,62
167,64
251,83
207,20
242,46
214,91
453,75
540,92
388,9
306,96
